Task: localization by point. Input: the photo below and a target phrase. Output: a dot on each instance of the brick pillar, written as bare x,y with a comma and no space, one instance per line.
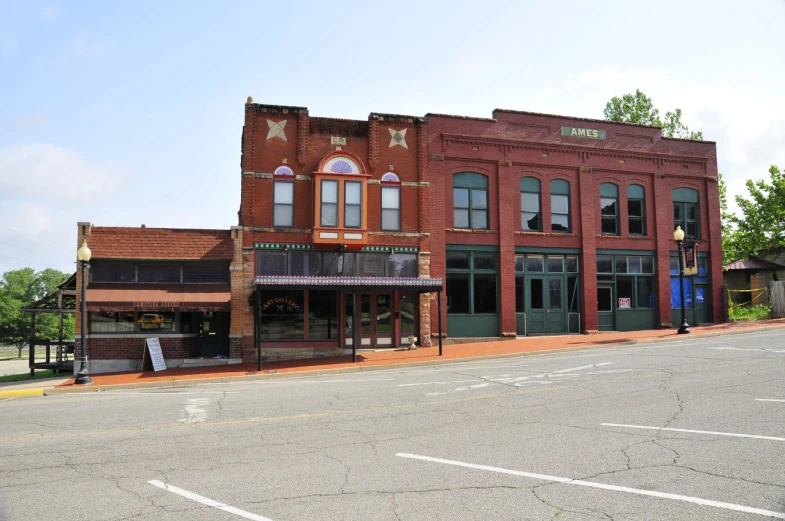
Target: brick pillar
507,206
239,296
247,311
715,259
424,267
589,206
659,220
83,233
440,198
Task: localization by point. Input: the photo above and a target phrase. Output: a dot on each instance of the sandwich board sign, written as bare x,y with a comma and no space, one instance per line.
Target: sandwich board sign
153,353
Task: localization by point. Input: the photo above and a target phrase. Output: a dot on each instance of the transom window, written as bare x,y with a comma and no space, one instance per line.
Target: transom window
560,206
636,209
685,212
531,215
470,201
609,208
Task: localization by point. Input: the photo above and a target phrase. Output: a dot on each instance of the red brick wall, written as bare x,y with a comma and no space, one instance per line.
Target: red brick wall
133,348
514,145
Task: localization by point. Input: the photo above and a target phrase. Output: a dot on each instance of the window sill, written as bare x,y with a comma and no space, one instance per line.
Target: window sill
470,230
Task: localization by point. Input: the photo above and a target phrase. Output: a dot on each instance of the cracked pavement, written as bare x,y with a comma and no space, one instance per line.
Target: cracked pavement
323,447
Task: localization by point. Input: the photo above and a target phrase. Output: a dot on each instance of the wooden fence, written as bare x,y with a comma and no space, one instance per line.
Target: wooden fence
777,296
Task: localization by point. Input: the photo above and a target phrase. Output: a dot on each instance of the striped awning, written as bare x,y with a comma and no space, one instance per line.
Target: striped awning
352,283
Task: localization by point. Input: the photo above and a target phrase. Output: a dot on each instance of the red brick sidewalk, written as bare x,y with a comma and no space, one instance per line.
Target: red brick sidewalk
424,355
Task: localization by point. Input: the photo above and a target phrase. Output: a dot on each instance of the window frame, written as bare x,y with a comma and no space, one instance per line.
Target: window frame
610,191
470,273
472,182
632,196
382,208
684,198
322,204
282,182
527,187
347,205
556,183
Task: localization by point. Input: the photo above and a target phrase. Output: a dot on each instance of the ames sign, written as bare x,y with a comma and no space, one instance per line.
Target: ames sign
592,133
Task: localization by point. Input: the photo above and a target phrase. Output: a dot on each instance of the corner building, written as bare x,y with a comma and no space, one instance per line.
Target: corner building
547,224
335,219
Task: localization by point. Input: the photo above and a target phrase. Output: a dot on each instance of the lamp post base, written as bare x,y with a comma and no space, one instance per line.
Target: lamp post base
83,376
683,329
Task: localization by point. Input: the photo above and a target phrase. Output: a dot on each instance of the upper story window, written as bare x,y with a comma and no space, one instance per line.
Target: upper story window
531,218
609,208
283,203
391,202
685,212
157,272
341,165
352,202
470,201
329,216
636,209
560,206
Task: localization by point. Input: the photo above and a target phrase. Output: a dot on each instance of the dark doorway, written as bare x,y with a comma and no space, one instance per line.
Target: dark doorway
212,334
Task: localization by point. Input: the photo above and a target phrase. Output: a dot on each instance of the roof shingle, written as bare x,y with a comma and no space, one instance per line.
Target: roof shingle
160,243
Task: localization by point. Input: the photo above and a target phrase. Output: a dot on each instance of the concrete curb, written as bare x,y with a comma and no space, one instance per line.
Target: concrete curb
387,367
22,392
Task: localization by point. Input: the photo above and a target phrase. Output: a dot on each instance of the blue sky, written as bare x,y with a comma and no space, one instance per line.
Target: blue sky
129,113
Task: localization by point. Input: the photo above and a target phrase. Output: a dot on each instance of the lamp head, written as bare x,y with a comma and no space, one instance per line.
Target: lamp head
83,253
678,235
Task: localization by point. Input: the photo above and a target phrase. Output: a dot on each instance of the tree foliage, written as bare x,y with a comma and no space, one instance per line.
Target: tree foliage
21,287
638,108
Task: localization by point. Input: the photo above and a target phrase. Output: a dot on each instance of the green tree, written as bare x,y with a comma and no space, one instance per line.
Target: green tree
19,288
638,108
761,225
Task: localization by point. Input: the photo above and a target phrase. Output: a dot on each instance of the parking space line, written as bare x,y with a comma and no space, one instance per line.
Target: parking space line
714,433
207,501
768,400
592,484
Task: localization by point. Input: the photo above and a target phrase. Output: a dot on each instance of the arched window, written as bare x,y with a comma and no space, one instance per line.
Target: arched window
470,201
391,202
685,212
342,165
531,218
560,206
609,208
636,209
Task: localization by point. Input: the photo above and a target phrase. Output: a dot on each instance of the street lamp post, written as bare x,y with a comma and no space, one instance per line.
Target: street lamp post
678,236
83,256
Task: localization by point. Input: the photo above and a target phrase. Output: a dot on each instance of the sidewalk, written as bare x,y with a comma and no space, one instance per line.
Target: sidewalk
391,359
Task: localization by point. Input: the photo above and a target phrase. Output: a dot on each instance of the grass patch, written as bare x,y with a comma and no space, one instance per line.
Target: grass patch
759,312
46,373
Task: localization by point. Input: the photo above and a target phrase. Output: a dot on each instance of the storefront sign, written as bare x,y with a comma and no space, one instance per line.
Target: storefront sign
154,322
155,353
690,259
280,303
625,303
592,133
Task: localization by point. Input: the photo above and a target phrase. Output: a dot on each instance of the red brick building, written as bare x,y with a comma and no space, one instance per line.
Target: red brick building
551,224
530,223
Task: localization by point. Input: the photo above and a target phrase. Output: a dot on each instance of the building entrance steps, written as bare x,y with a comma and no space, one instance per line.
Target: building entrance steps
368,360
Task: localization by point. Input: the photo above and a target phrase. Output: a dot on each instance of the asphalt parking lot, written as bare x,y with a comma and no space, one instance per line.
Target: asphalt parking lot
693,429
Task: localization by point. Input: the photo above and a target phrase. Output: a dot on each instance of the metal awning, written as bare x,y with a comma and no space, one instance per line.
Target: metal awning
351,283
159,297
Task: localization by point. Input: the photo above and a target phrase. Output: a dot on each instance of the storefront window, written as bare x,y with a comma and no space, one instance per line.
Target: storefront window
471,282
282,315
160,321
633,275
112,322
158,273
322,315
402,265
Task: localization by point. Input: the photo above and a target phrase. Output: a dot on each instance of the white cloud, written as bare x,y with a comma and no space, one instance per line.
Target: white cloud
48,172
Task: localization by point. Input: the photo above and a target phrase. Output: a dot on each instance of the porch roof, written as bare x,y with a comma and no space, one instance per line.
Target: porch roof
351,283
158,297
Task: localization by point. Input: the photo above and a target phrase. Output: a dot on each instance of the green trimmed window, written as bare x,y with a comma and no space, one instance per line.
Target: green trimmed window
686,212
560,206
636,209
609,208
471,283
531,213
470,201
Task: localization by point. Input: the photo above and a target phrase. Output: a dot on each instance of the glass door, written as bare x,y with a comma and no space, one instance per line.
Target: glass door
383,320
408,317
536,305
605,307
554,313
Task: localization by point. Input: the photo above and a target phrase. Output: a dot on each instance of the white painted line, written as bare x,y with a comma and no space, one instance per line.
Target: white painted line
207,501
732,434
592,484
768,400
437,383
571,369
194,410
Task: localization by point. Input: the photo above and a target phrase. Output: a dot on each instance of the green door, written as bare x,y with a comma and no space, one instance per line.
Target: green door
555,314
213,336
702,315
536,305
605,307
545,310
